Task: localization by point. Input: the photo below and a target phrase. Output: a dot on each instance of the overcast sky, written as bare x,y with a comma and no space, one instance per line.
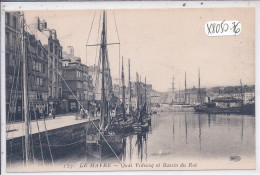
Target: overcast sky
162,43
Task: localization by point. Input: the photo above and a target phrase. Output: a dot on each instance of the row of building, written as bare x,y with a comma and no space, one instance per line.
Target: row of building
52,72
57,79
195,96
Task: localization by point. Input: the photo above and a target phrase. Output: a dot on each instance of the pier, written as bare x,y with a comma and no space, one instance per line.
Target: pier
15,130
60,135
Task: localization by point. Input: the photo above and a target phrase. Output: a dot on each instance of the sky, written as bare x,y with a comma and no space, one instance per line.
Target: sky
162,43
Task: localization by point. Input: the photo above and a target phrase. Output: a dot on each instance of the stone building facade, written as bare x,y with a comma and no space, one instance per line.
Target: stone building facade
13,65
37,57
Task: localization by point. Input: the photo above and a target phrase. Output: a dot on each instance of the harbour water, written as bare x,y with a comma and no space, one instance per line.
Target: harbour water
176,137
184,136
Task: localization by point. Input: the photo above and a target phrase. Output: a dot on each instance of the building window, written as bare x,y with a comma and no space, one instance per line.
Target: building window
14,22
36,66
39,96
65,74
55,91
43,68
33,79
59,92
7,38
7,19
60,65
51,47
54,77
33,65
40,67
79,74
60,53
73,106
56,49
39,81
50,76
56,63
14,40
50,91
39,51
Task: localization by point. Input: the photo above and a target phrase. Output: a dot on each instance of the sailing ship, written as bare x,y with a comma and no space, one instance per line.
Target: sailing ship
108,136
142,116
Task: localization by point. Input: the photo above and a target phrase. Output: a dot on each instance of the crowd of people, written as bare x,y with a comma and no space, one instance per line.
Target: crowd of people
38,113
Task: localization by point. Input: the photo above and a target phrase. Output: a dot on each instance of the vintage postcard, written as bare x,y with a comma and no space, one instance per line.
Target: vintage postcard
130,89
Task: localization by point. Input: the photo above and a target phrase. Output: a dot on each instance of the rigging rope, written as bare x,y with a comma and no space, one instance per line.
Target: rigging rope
89,35
39,136
54,68
15,95
44,122
119,76
95,72
35,79
46,133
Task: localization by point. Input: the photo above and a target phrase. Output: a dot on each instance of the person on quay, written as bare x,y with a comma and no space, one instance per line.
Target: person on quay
53,113
37,113
81,113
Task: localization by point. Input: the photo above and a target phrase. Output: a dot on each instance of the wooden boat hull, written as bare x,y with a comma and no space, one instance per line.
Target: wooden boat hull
106,147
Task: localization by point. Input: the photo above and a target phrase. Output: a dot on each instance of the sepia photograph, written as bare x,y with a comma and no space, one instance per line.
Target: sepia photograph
130,89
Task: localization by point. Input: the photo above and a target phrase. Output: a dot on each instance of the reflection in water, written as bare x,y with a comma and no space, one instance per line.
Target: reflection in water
199,132
209,120
218,137
242,129
173,128
186,128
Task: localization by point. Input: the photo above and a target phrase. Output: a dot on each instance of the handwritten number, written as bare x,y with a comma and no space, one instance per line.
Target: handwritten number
236,29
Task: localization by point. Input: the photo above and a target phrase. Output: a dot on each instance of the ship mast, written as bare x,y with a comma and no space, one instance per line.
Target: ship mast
103,57
123,87
173,84
199,88
137,91
129,85
185,93
145,98
25,97
242,94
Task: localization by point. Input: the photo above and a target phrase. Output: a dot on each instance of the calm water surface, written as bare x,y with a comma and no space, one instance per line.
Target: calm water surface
193,135
175,136
185,135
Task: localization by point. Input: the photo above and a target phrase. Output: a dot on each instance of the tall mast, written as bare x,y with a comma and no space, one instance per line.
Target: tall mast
185,93
103,55
129,83
141,91
199,89
129,88
25,98
179,93
173,84
123,87
137,91
242,94
145,89
145,98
